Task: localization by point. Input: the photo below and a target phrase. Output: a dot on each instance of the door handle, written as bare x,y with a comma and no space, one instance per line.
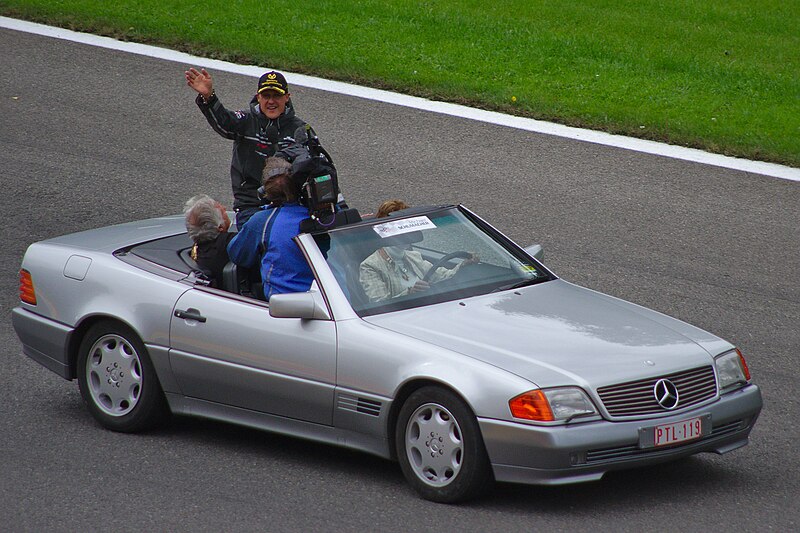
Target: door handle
190,314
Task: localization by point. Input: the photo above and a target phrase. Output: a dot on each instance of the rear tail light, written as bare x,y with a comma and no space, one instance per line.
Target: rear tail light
26,291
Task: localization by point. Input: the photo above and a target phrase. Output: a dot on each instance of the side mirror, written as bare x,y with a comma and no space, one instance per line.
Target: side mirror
308,305
536,251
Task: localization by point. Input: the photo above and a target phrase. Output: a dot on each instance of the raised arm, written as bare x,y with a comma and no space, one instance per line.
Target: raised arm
228,124
200,81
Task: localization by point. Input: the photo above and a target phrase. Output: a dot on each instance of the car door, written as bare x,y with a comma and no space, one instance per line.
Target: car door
229,350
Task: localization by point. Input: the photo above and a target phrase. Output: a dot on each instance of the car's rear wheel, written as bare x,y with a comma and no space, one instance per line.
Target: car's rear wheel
440,448
117,380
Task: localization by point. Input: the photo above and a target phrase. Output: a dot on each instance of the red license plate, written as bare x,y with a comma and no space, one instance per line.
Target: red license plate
682,431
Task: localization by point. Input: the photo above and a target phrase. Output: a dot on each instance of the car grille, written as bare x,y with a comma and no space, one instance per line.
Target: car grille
627,452
636,398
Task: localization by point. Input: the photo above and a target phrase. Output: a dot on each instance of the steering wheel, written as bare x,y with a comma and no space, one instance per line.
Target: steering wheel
443,260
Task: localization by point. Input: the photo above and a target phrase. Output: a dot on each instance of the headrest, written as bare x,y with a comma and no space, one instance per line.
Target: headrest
342,218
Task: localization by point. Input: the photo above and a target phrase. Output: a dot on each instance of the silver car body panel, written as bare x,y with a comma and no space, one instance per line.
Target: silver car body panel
336,378
43,340
360,440
610,340
242,356
586,451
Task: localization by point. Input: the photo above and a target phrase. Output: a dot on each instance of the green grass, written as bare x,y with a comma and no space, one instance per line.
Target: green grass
721,76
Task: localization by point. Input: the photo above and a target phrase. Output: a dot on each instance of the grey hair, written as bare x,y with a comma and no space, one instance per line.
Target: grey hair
275,166
202,218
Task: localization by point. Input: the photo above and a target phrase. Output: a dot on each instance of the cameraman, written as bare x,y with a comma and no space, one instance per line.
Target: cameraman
267,235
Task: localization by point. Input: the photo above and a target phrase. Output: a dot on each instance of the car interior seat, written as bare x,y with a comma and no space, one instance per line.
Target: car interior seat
244,281
199,272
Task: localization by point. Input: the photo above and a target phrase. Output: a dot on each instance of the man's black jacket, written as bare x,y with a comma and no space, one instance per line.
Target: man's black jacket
255,137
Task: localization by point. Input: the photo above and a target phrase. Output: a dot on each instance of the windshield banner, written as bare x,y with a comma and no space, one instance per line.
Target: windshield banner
407,225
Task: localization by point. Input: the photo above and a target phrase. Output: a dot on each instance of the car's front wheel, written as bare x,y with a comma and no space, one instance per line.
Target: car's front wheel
117,380
440,448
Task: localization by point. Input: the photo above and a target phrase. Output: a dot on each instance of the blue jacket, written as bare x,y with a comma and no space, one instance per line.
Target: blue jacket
283,267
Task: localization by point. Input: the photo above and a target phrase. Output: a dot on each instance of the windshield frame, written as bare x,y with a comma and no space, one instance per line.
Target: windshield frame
323,239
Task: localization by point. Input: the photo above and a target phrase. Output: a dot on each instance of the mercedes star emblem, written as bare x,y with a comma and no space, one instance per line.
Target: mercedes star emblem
666,394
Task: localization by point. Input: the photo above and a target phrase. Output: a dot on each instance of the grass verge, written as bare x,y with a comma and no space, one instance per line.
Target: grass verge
720,76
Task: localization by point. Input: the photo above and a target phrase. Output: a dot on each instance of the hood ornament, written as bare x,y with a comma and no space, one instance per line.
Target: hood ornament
666,394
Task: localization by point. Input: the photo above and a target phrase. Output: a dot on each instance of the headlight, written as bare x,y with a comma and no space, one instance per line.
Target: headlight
731,370
548,405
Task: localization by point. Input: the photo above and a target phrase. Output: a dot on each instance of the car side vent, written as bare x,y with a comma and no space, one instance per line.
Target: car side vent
359,405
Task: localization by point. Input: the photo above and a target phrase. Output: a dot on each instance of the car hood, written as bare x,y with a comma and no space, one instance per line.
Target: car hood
557,333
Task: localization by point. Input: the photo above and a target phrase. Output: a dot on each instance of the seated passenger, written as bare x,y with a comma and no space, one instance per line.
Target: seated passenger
394,271
207,223
266,238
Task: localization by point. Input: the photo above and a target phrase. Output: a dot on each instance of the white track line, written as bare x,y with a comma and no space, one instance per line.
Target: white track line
538,126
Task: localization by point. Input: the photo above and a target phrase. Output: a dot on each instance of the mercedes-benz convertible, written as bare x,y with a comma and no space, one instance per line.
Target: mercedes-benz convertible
497,370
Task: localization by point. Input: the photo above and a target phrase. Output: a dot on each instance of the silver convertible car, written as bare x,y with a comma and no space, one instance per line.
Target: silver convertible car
497,370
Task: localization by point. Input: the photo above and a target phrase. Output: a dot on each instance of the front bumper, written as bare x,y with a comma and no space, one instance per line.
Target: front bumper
555,455
43,340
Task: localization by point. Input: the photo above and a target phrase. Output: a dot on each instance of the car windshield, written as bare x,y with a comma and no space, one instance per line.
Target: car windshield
421,257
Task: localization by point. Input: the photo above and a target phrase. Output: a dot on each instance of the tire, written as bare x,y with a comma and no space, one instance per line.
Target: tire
440,448
117,380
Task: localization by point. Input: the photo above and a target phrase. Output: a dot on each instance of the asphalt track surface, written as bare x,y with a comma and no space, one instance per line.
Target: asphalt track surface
91,137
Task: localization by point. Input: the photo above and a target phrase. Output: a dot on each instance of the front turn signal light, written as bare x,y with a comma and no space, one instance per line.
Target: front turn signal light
531,405
744,365
26,292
